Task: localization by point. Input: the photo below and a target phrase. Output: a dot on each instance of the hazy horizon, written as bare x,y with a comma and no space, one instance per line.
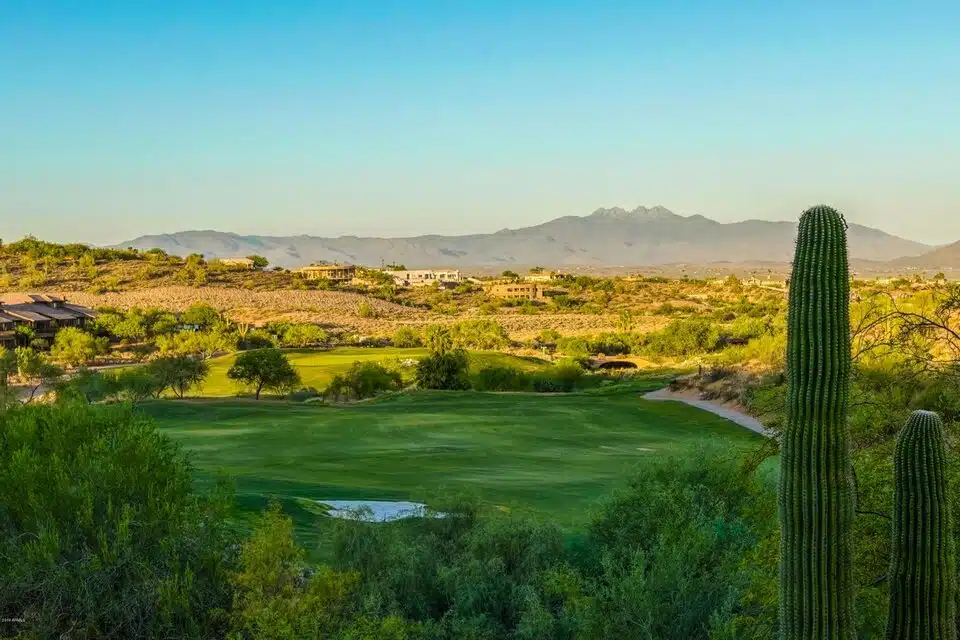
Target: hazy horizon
380,118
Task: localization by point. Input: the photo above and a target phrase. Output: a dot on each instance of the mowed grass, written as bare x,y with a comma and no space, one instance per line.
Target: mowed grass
317,368
552,457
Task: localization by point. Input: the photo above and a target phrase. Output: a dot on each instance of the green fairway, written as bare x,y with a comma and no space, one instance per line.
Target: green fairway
548,456
317,368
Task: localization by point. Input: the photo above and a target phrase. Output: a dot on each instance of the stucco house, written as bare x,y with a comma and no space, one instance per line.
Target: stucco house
335,273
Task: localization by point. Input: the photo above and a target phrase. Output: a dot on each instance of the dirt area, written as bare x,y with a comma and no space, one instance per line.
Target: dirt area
333,308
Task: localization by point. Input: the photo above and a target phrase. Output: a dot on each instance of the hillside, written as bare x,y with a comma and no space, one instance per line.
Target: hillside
644,236
947,257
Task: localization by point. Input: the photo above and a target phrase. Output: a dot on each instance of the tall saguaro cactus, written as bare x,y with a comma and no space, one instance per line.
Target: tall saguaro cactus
816,475
922,569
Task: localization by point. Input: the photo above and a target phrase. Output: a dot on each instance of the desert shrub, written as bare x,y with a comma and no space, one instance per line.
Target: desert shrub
748,328
683,338
480,333
461,576
563,377
500,379
256,339
178,373
444,370
303,335
669,547
612,344
73,346
100,534
573,346
364,380
366,310
548,336
201,343
406,338
87,385
136,384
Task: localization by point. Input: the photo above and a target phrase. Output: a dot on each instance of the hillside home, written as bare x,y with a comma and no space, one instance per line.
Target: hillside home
44,314
516,291
424,277
335,273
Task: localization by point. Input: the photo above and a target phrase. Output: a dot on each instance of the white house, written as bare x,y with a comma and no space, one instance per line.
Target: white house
424,277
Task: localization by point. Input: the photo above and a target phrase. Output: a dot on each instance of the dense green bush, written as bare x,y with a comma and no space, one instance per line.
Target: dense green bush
444,370
683,338
481,333
563,377
669,547
100,535
500,379
364,380
406,338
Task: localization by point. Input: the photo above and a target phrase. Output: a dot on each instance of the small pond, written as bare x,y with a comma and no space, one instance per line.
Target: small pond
375,510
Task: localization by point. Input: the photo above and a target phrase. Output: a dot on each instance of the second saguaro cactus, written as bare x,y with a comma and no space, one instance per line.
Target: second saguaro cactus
922,567
816,475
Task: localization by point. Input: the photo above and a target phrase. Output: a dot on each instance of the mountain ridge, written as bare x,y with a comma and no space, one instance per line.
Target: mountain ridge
607,236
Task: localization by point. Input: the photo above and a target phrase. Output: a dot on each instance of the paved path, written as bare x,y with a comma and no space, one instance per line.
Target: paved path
740,418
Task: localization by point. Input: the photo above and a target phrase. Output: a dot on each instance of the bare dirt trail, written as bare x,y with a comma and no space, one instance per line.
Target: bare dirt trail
692,398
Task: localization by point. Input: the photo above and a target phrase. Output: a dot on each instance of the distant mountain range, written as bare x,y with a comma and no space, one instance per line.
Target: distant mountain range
607,237
947,257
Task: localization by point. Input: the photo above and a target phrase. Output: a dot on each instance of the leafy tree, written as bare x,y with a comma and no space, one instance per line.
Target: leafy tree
536,270
73,347
364,380
259,262
444,370
136,384
480,333
24,334
202,343
396,267
264,368
303,335
200,315
179,374
511,275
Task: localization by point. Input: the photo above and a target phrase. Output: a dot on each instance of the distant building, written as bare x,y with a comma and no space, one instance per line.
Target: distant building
516,291
43,313
542,277
336,273
244,263
424,277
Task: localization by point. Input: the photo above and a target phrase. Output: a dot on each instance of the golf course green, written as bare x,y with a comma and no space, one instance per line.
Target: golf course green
318,367
549,456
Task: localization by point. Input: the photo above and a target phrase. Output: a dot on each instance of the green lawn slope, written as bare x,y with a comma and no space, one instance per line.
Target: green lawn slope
548,456
317,368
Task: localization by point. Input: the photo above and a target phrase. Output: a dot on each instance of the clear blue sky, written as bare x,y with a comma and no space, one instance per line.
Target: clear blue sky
124,117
